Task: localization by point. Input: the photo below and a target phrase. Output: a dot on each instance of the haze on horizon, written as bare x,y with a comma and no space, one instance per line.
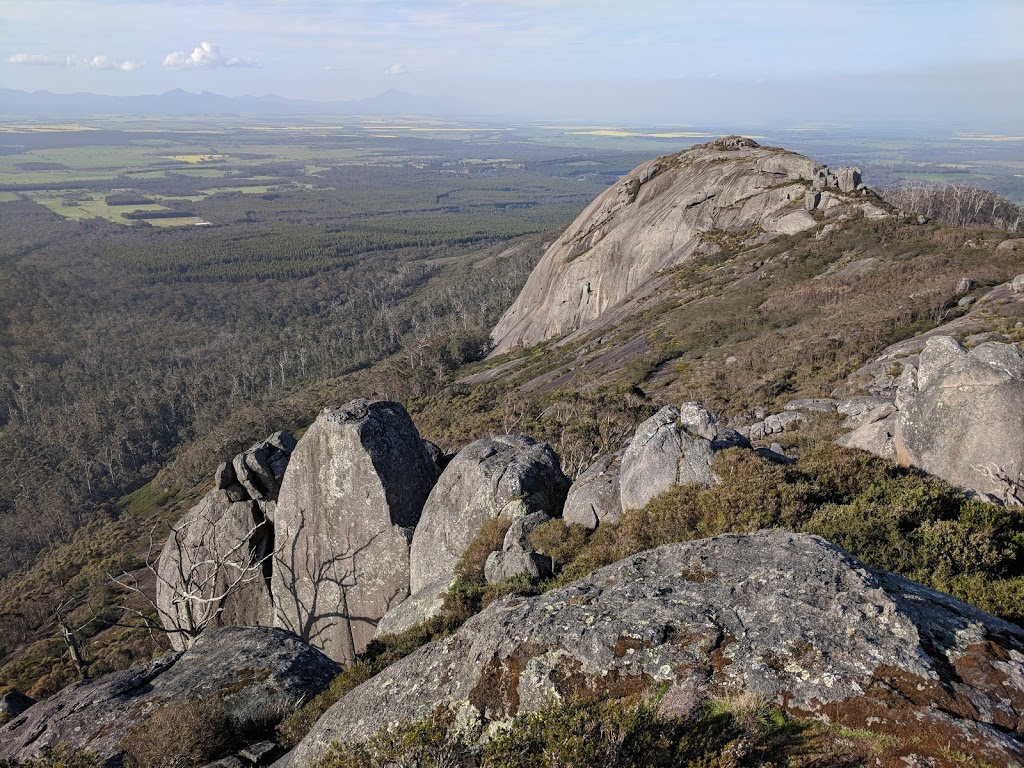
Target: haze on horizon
955,63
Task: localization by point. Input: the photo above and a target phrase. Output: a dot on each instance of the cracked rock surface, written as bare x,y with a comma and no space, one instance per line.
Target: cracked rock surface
785,616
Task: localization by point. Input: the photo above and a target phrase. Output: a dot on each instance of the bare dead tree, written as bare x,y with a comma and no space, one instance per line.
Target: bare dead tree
208,569
956,204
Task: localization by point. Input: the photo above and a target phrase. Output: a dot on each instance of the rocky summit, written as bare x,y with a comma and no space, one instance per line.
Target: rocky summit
663,213
787,617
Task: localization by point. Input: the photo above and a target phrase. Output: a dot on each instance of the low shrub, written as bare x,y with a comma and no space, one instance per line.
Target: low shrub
890,517
582,734
180,735
60,756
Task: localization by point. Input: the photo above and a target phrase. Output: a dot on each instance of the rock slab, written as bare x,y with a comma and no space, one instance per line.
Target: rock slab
966,421
787,617
254,670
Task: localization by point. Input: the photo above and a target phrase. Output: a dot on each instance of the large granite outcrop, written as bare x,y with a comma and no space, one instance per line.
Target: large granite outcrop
214,569
507,476
787,617
661,215
353,493
254,671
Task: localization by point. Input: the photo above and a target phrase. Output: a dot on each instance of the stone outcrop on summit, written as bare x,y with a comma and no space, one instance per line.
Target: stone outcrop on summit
787,617
663,213
353,493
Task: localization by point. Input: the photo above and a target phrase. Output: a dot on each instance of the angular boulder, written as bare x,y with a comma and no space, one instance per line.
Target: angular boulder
594,496
672,448
353,493
785,617
966,421
259,673
507,476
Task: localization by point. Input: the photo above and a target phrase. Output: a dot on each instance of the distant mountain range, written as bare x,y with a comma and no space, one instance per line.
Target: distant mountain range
179,102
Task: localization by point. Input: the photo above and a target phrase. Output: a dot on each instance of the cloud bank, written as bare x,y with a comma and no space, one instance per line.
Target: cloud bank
74,62
396,69
205,56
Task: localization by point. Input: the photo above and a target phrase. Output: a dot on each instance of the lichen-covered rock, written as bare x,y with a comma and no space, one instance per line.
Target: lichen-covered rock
507,476
259,673
966,421
211,569
786,617
594,496
353,492
658,216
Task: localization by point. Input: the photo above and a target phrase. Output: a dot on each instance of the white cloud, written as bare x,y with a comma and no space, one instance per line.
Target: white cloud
74,62
396,69
35,59
205,56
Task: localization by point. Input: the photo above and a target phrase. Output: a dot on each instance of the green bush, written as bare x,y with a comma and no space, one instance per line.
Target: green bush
888,516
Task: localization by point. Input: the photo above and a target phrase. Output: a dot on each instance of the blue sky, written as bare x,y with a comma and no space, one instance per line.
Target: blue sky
684,62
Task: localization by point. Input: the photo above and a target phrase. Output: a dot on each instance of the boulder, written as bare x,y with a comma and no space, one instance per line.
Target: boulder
966,422
354,490
259,673
663,453
594,496
257,471
876,437
1017,284
415,609
848,179
787,618
507,476
502,565
1011,245
214,568
517,557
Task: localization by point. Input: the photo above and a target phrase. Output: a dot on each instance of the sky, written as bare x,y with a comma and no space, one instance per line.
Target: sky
684,62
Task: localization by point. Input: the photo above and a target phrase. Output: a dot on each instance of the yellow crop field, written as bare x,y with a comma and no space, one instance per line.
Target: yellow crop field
192,159
45,128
